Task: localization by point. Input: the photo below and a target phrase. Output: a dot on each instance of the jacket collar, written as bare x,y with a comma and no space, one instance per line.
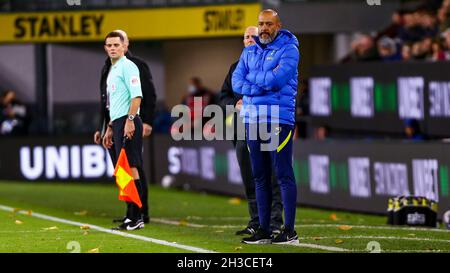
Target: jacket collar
284,36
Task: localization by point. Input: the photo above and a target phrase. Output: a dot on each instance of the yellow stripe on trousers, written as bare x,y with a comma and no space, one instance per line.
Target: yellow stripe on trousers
281,146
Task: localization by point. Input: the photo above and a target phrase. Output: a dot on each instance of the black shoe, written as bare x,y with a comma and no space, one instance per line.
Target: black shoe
146,219
135,225
275,232
120,220
259,237
122,226
130,225
246,231
286,238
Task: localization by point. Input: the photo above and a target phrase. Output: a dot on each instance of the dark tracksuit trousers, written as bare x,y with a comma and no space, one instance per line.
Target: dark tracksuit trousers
280,159
243,157
228,97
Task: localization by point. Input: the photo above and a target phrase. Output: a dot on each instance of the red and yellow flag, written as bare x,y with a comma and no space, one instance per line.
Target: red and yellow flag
125,181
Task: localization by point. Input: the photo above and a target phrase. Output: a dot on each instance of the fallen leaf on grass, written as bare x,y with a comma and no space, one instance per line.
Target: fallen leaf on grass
85,227
18,222
238,248
183,223
339,241
234,201
94,250
334,217
345,227
16,210
51,228
316,238
81,213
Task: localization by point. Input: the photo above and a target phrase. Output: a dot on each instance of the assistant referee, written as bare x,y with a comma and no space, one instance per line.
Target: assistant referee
147,110
124,98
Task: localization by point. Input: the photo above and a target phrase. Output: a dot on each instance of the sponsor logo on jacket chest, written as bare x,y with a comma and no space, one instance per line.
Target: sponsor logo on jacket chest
270,56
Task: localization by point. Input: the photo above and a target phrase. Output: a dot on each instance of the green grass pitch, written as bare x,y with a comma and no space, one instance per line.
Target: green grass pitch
202,221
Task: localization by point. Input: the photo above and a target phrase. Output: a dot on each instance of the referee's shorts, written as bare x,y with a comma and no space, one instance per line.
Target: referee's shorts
134,146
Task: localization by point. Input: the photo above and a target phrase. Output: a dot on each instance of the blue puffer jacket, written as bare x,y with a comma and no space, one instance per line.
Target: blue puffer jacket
268,76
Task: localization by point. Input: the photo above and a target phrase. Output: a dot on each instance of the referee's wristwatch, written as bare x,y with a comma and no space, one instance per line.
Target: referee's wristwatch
131,117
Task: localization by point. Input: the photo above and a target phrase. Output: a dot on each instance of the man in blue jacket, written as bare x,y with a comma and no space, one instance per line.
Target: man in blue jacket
229,97
266,76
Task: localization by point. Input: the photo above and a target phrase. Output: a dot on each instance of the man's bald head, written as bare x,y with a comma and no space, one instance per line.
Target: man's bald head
272,13
252,30
248,35
269,24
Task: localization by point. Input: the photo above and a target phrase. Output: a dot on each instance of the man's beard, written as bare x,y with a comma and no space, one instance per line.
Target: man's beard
268,40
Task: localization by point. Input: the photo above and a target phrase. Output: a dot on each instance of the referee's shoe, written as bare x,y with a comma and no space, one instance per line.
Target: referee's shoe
145,218
130,225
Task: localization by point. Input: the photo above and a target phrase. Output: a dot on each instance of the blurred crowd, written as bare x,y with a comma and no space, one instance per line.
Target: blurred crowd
305,129
14,118
421,33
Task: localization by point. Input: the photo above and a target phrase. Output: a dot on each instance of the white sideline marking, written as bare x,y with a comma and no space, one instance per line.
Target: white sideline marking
310,225
37,231
119,233
225,218
175,223
178,223
328,248
379,238
148,239
413,250
375,227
